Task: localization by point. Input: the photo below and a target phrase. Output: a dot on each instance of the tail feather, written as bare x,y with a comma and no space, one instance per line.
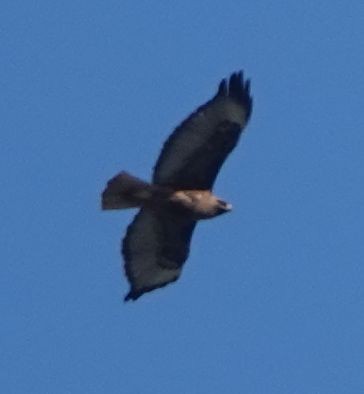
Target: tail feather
125,191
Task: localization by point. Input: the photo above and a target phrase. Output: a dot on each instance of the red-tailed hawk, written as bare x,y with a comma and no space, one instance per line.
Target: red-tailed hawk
157,242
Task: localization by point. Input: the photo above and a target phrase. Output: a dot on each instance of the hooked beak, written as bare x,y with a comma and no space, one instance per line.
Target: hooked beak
224,206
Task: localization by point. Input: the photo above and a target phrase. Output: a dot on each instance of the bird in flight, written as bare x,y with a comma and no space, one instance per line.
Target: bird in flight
157,242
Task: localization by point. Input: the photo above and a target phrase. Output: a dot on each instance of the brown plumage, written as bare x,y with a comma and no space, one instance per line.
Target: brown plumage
157,241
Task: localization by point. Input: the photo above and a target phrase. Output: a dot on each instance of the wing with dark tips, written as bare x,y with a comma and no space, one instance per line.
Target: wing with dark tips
155,247
194,153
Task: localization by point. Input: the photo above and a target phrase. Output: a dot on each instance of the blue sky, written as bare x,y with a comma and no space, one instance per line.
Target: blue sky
271,299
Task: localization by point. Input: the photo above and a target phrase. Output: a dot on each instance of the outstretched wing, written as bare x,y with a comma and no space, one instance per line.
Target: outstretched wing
155,247
194,153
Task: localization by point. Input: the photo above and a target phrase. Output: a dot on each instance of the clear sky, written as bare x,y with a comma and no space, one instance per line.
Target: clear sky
271,299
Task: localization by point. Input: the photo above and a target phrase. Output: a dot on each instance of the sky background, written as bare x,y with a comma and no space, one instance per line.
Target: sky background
271,299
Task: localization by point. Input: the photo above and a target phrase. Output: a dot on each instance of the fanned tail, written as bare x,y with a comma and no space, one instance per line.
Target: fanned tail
125,191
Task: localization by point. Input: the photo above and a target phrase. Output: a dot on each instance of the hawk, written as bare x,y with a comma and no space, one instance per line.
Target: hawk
157,242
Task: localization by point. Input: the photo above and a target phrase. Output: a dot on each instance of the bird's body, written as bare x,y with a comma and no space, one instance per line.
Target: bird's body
192,204
157,241
198,204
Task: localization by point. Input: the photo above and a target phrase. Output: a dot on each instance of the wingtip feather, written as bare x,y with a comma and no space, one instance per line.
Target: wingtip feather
131,296
222,90
236,87
239,90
